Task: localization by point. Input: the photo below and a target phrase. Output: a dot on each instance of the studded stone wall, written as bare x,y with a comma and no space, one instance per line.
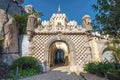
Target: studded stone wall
82,49
81,55
38,46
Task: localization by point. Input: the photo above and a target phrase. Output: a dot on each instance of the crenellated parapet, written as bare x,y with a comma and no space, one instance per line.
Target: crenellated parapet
60,23
58,19
45,23
72,25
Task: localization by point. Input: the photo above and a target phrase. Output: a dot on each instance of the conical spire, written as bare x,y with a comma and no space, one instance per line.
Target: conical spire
59,9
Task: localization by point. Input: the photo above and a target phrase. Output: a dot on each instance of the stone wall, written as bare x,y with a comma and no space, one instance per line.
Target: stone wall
78,45
8,27
23,45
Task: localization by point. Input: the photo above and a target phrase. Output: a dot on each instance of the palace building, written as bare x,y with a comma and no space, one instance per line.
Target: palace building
60,42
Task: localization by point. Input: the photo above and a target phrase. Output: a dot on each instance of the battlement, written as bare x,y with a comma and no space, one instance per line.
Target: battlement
58,17
72,23
45,23
59,23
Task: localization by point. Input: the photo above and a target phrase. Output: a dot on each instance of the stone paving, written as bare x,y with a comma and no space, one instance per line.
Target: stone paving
61,73
92,77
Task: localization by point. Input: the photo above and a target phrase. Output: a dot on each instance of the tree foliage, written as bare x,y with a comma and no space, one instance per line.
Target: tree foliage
103,69
114,45
27,66
21,22
36,13
107,18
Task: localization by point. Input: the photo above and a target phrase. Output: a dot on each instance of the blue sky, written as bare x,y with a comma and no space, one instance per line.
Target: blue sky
74,9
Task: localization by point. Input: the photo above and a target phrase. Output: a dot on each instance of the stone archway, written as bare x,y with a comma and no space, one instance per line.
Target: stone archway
59,38
56,48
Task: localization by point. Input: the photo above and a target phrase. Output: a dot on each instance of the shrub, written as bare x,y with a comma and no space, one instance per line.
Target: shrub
113,75
91,68
24,62
99,69
27,66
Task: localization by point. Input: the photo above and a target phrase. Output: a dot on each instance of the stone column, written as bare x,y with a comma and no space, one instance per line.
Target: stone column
71,58
46,61
73,67
46,55
95,52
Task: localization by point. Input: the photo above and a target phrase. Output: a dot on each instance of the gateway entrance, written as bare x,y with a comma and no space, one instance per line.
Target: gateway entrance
59,54
59,57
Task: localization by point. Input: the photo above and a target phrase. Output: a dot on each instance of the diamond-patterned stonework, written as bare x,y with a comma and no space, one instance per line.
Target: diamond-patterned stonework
81,55
38,45
81,50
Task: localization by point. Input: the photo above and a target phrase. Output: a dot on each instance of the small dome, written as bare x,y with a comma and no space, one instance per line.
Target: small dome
86,16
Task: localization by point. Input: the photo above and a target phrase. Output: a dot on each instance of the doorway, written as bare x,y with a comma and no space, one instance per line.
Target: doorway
59,57
59,54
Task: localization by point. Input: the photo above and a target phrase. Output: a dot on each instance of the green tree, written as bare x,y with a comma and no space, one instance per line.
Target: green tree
21,22
108,16
36,13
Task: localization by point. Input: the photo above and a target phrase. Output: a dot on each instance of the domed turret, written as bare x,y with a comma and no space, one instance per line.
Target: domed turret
86,22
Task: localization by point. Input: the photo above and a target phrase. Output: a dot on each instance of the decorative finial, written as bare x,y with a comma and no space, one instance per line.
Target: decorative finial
59,9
